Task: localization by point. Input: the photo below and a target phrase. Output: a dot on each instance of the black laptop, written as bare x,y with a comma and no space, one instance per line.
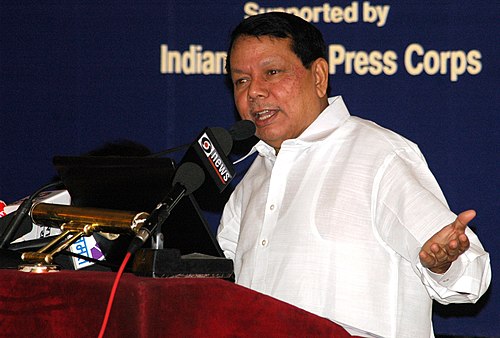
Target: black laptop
137,184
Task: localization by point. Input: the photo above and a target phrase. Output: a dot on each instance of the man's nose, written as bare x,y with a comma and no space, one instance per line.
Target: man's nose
258,89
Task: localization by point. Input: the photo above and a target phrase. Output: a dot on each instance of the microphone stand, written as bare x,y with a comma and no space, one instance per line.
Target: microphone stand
20,215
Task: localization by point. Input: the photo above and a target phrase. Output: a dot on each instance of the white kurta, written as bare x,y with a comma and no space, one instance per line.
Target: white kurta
334,224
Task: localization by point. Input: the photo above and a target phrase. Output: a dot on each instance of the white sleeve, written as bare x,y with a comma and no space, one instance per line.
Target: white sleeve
409,208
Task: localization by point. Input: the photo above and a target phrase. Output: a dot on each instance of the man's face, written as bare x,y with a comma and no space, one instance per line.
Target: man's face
273,89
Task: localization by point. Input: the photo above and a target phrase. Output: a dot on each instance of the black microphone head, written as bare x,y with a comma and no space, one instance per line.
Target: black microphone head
242,130
224,138
190,176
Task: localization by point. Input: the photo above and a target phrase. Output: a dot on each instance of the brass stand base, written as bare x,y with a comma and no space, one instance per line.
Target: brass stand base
39,268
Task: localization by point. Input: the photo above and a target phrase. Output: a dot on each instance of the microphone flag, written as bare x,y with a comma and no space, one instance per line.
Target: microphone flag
208,150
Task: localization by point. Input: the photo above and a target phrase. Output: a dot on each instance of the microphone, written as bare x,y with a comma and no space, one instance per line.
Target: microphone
209,150
188,177
242,130
224,139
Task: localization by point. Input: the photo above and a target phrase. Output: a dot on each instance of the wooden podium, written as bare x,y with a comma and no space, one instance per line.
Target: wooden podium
72,304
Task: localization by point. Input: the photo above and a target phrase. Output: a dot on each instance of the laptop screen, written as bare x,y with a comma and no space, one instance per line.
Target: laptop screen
137,184
114,182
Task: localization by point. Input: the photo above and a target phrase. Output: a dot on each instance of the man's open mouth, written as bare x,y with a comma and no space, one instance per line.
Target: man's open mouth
265,114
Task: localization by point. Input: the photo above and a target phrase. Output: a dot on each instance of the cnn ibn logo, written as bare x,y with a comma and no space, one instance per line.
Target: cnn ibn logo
215,159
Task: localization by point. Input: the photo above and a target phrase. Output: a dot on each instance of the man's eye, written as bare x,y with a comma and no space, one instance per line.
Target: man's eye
239,82
273,72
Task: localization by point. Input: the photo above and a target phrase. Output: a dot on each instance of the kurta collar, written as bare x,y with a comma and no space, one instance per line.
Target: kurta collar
329,120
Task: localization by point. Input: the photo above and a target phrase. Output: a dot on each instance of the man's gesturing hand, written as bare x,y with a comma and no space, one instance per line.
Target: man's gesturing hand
446,245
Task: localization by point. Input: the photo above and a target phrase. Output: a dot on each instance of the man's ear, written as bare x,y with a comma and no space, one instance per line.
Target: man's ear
320,72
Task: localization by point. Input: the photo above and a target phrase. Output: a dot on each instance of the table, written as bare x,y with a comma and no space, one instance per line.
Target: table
72,304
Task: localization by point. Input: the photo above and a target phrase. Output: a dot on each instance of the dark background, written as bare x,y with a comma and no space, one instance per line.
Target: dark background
78,74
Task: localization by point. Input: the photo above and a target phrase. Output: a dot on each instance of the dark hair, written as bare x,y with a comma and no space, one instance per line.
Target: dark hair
306,40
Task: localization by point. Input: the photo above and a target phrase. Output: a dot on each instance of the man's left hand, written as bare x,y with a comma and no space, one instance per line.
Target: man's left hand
446,245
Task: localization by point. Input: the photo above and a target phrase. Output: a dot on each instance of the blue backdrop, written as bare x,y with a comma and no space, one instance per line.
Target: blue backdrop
78,74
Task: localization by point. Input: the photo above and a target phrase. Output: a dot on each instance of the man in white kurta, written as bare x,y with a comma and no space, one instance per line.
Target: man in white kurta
334,225
337,215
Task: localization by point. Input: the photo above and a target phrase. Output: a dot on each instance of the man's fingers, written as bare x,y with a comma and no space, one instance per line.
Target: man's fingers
446,245
426,259
458,247
464,218
439,253
464,240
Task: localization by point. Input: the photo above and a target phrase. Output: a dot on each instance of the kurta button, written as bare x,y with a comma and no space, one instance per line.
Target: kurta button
264,242
271,207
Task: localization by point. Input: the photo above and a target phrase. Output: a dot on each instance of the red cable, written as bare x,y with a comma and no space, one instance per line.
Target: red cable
112,295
